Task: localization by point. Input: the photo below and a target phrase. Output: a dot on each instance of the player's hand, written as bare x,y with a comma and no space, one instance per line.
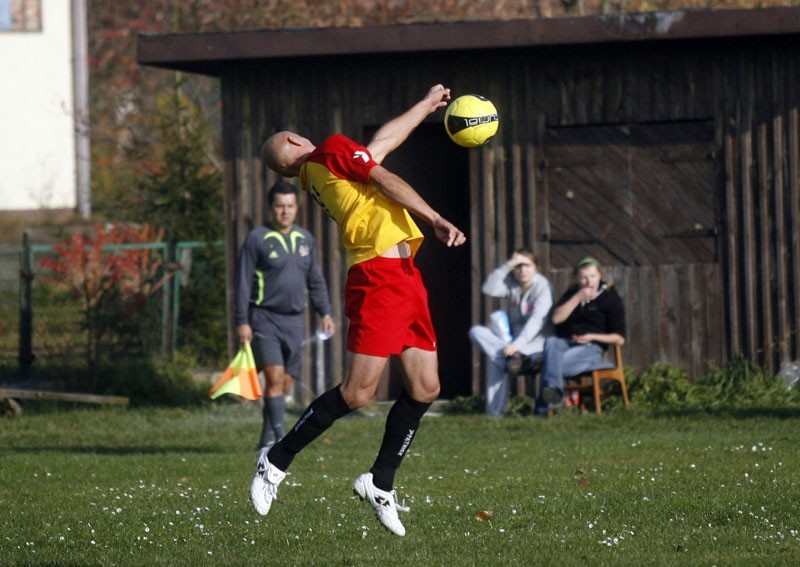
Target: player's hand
448,233
245,333
583,339
437,97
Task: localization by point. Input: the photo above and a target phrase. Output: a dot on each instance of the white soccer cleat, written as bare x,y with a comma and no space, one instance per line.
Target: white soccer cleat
383,503
264,488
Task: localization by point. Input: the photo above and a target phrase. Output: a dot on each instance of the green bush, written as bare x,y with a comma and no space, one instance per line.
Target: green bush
463,405
466,405
740,385
737,385
519,405
203,331
661,388
156,381
660,385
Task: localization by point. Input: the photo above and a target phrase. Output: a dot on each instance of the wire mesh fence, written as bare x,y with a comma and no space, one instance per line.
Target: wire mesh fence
9,308
60,314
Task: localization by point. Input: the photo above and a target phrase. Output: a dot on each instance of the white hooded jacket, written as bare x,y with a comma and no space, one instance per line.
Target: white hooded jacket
529,312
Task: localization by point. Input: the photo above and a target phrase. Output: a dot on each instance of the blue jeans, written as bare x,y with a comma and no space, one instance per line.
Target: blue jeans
565,357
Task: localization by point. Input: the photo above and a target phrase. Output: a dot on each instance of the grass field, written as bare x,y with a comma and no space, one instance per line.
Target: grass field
94,486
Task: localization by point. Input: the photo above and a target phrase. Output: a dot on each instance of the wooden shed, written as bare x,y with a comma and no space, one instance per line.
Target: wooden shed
665,144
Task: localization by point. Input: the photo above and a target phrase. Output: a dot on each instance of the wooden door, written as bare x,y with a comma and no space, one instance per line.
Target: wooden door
632,195
647,198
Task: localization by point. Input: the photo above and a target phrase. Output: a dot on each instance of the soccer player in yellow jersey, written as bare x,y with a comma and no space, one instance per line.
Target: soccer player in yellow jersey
385,299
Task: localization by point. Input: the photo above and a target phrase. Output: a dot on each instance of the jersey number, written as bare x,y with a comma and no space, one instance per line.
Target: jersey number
318,199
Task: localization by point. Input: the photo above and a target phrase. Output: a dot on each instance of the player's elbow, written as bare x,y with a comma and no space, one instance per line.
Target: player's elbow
388,183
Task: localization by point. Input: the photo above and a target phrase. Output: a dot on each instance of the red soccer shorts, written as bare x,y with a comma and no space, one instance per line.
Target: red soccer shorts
387,305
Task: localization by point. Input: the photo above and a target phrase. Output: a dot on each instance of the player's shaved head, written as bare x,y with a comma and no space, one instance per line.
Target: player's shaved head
274,151
285,152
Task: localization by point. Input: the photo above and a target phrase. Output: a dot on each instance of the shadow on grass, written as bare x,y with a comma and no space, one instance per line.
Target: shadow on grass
736,413
117,451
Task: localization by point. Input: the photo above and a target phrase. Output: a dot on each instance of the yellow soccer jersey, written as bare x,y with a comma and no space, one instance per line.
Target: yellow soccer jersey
336,174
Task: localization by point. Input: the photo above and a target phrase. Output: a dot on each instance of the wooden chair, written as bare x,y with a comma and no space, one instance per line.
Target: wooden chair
590,381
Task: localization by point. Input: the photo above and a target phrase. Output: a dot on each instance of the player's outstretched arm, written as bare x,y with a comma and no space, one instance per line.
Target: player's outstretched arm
393,133
394,187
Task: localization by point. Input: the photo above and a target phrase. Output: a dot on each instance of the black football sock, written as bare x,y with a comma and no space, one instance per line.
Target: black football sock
401,426
318,417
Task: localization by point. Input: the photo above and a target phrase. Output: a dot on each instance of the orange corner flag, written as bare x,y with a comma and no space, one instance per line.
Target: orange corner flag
240,378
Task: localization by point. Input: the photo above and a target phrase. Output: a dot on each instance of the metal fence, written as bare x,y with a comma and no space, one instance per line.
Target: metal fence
9,307
45,328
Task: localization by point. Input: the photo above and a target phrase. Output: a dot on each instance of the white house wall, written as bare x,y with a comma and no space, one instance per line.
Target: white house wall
37,126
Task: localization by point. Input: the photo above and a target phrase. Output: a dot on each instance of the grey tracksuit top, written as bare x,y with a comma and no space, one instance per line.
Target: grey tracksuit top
275,270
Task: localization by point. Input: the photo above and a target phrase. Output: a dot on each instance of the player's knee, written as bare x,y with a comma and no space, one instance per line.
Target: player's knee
434,395
276,383
356,398
427,392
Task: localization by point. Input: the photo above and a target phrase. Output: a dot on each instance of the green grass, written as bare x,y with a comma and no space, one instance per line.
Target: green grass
86,486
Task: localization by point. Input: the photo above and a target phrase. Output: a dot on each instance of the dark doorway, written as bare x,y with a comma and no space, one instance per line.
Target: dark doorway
439,171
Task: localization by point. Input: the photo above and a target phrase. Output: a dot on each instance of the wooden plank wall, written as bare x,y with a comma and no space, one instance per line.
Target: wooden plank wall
761,187
694,316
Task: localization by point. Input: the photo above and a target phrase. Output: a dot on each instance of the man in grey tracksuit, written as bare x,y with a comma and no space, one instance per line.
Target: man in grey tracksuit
277,272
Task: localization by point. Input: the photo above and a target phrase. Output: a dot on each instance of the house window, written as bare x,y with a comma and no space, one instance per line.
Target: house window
20,15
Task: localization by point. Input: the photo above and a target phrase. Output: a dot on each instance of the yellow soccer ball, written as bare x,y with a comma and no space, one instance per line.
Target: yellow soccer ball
471,120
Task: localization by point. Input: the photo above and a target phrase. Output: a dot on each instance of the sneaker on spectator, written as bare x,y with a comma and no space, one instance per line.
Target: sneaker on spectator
383,503
552,396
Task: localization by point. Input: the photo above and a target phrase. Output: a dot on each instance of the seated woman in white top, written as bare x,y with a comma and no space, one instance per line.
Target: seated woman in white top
530,298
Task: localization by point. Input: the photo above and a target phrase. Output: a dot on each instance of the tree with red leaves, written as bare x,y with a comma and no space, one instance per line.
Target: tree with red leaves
112,272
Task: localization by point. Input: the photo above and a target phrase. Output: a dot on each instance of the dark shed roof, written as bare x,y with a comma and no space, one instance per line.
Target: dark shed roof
206,52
